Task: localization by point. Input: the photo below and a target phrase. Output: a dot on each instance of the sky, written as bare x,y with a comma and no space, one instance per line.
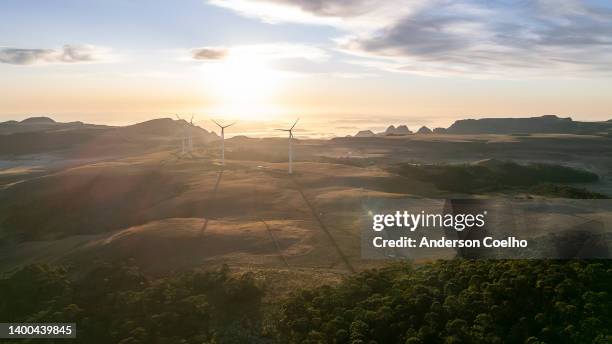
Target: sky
344,61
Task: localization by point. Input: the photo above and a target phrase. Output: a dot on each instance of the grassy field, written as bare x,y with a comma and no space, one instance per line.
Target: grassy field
105,204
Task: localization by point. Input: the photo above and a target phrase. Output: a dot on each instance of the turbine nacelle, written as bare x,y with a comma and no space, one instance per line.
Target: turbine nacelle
222,126
290,130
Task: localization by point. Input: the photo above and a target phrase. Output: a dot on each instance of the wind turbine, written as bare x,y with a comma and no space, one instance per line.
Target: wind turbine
184,134
223,139
190,136
290,130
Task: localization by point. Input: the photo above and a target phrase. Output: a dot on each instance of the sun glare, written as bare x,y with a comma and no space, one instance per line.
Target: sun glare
243,87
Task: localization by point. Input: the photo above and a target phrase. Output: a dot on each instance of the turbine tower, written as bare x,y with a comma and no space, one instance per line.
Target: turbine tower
290,130
183,139
190,135
223,139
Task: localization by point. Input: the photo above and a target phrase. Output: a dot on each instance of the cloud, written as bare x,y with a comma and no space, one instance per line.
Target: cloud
333,8
345,14
211,53
286,59
24,56
68,54
268,52
471,38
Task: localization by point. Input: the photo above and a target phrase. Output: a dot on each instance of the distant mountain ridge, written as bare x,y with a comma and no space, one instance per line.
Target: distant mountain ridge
531,125
42,124
43,134
38,120
548,124
165,127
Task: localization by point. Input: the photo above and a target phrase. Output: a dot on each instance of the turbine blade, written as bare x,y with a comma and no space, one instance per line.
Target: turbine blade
191,120
229,125
220,126
296,121
178,117
282,129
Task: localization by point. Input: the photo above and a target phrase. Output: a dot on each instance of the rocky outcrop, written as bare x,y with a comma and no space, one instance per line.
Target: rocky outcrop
424,130
401,130
365,133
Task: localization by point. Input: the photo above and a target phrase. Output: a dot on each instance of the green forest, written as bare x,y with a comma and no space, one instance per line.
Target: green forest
459,301
505,176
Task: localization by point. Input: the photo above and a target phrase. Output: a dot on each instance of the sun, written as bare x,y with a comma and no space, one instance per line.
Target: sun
243,87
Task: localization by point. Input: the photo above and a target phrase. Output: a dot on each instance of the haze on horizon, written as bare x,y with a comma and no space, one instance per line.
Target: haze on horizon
123,61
